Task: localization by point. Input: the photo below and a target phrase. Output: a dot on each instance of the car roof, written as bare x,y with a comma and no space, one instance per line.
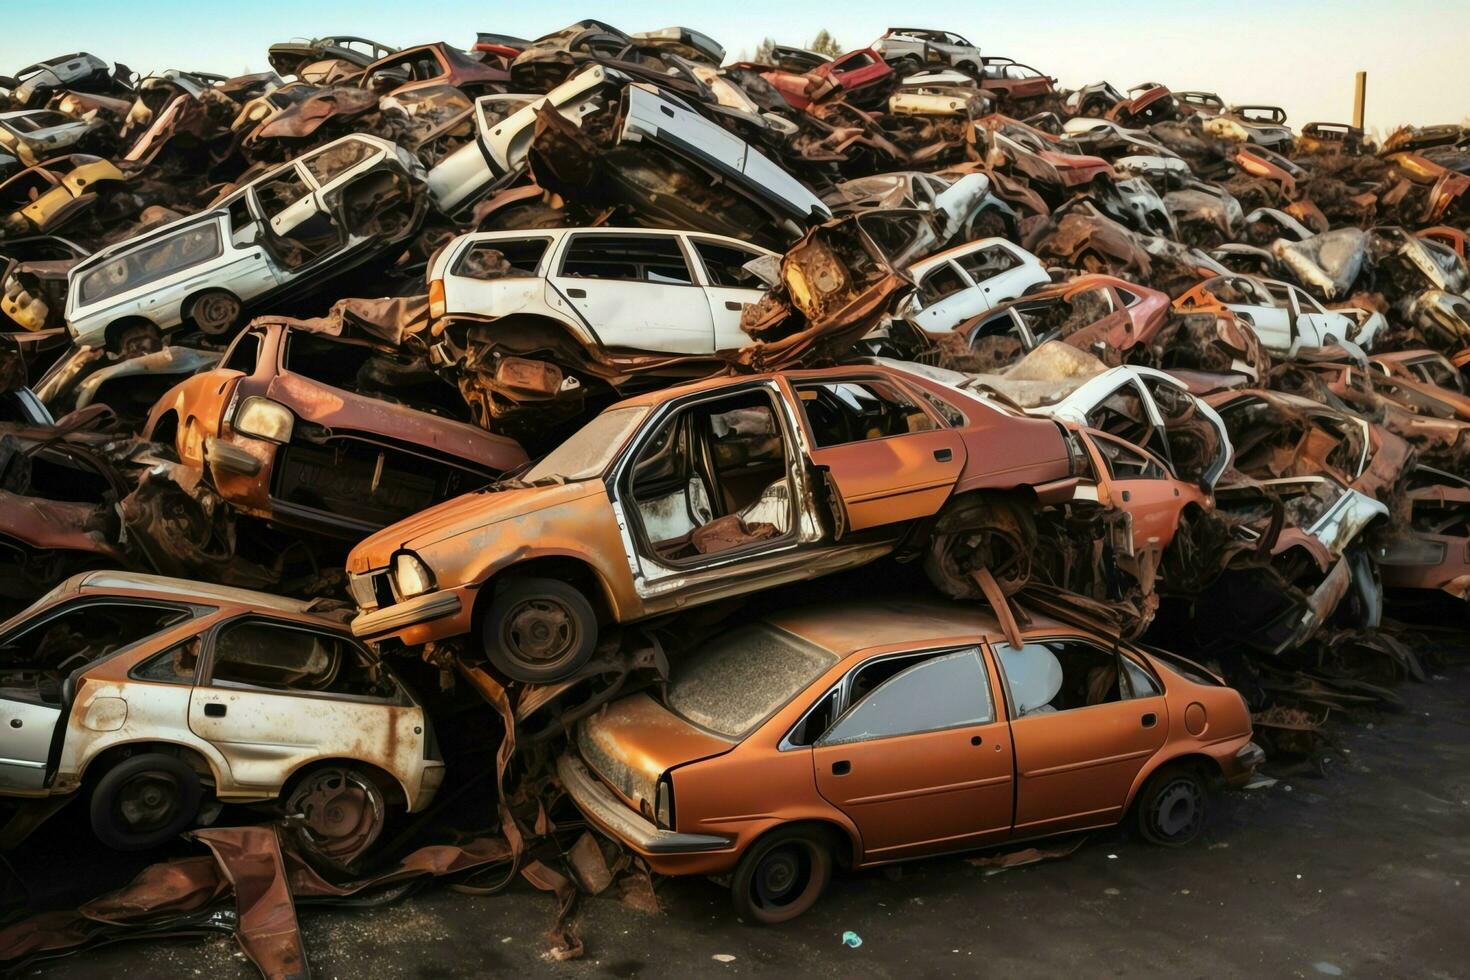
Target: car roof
187,589
850,628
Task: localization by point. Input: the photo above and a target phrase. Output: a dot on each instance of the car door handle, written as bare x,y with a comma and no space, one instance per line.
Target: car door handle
730,304
214,710
943,455
1150,719
576,293
1127,495
841,767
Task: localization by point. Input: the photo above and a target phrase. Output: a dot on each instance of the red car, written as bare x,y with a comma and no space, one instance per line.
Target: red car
862,76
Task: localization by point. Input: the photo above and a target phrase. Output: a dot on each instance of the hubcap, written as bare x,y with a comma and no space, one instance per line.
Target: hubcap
540,630
340,814
781,876
148,801
1177,809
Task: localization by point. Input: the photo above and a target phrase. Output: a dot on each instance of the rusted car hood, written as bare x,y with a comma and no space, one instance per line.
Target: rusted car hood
464,514
635,740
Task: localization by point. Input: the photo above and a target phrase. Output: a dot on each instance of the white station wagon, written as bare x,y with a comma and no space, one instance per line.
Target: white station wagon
633,289
282,231
970,279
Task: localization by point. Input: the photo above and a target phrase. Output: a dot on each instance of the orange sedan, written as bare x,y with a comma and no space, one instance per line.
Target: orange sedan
858,735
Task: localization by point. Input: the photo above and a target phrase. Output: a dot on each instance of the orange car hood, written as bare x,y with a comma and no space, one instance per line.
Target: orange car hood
634,740
463,514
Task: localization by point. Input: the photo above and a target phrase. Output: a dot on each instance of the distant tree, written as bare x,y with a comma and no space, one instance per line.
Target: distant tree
825,43
766,50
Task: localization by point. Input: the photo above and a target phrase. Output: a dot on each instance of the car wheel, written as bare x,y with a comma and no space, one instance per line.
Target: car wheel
539,630
981,531
138,339
145,801
781,876
215,311
906,66
1171,809
337,813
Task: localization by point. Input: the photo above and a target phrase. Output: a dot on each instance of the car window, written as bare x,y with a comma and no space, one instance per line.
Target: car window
630,258
1437,373
1306,303
244,353
338,158
1124,462
840,412
280,192
1058,675
176,665
1141,683
84,631
986,262
944,691
952,416
1127,297
723,264
817,720
503,257
735,681
939,282
189,247
277,657
590,449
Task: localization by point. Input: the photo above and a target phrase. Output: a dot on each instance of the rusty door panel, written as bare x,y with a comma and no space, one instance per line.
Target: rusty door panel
900,478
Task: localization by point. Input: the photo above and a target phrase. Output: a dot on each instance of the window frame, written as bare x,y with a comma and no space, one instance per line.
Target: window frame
455,266
188,612
204,673
135,671
810,433
976,253
695,241
921,655
1122,650
569,242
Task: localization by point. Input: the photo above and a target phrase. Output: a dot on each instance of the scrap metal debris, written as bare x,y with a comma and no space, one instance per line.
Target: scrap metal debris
537,367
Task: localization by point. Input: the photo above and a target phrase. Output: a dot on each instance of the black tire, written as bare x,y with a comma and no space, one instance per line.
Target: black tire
539,630
145,801
1171,809
215,311
906,66
781,875
137,339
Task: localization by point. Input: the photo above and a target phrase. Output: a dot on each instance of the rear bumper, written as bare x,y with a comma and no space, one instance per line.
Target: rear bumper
1239,766
429,783
599,805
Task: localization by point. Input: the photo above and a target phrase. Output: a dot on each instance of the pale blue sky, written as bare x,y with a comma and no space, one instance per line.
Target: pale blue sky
1299,54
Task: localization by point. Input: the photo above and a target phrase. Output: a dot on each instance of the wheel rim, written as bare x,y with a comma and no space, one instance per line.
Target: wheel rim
338,813
783,877
540,630
1177,811
148,801
1005,554
216,312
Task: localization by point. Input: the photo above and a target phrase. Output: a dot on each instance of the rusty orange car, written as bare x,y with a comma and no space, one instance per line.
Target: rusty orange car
317,431
859,735
706,491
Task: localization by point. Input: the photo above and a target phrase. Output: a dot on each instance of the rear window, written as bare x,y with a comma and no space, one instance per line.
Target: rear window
502,257
190,247
740,678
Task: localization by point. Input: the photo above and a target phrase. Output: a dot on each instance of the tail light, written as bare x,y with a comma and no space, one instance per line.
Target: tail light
436,298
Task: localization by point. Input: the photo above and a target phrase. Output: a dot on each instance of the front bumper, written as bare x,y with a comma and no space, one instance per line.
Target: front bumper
410,612
599,805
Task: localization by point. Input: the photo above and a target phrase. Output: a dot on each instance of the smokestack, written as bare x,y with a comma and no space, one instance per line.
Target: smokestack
1360,95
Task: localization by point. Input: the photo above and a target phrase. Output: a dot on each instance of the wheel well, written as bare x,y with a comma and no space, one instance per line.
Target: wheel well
572,571
1208,768
393,792
116,327
845,848
99,764
167,428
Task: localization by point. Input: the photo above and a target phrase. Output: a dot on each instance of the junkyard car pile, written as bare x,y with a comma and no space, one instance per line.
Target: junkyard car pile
554,371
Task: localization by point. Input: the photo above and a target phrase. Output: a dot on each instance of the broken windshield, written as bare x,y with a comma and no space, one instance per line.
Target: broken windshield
586,454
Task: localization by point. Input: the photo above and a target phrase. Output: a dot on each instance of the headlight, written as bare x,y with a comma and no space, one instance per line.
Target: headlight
663,807
410,575
264,418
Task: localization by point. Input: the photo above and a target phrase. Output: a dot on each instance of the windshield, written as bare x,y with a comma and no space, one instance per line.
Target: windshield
739,678
586,454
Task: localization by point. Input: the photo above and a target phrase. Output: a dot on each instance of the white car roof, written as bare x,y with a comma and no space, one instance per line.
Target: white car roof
189,589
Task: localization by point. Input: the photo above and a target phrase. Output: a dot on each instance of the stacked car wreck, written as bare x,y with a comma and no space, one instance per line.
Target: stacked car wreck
571,372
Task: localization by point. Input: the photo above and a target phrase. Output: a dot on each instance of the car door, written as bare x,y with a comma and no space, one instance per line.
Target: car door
920,760
275,695
883,457
635,292
945,297
1141,487
728,286
1000,273
1272,323
1081,735
1316,326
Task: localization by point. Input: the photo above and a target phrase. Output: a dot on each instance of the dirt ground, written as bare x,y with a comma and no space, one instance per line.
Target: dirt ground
1363,871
